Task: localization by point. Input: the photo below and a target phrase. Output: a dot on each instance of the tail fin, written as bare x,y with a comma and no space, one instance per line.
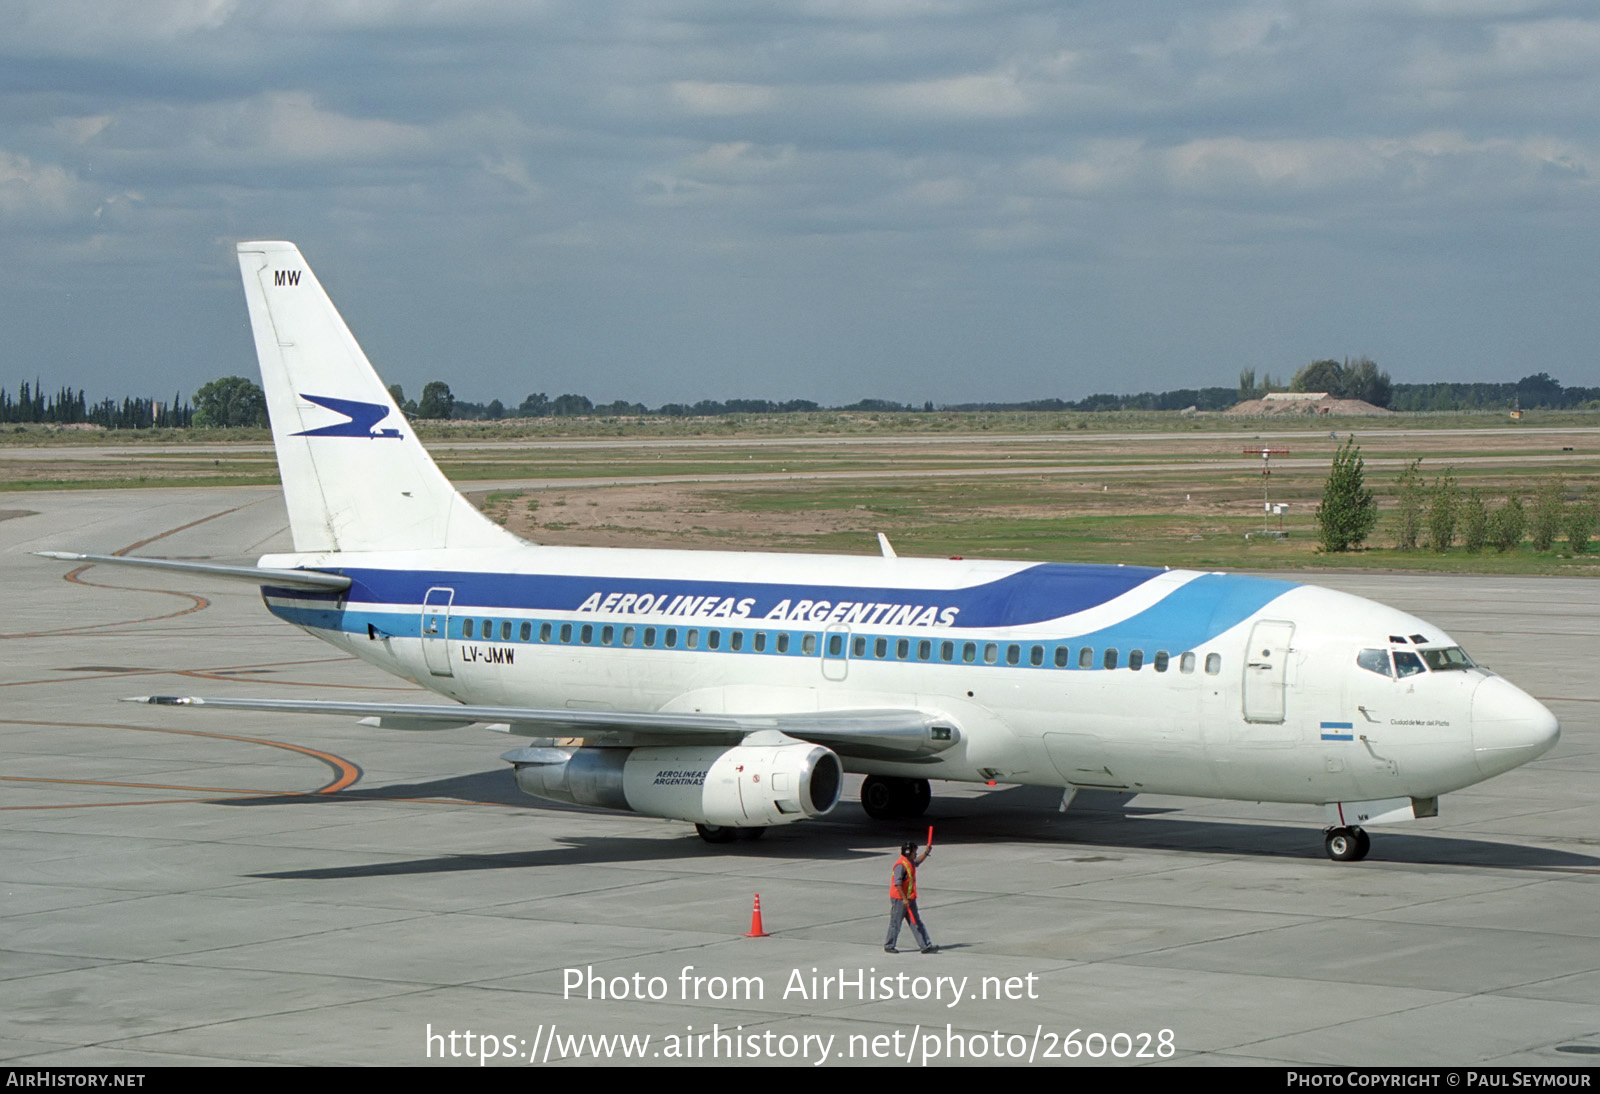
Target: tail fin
354,474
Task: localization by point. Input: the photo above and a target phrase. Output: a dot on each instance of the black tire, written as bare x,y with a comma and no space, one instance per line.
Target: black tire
750,834
1363,843
919,795
878,797
1343,845
716,833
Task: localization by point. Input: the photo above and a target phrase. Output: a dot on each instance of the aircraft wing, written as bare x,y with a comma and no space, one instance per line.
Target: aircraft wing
864,734
256,575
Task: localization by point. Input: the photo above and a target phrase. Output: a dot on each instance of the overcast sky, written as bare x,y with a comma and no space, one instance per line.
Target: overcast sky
672,200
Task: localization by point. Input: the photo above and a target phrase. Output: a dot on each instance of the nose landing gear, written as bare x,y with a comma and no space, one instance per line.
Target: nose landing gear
1347,844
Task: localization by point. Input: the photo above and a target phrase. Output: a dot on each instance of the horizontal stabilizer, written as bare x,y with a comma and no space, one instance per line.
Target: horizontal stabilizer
256,575
866,734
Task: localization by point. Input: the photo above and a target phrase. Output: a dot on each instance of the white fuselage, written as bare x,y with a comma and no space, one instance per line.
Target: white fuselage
1153,681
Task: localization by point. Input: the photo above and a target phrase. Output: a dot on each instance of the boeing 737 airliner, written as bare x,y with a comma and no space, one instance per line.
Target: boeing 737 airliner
735,690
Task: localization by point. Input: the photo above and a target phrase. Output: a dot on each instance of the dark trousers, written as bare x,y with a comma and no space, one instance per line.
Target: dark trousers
899,910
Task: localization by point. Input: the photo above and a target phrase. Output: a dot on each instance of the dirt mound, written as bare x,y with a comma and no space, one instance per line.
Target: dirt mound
1307,405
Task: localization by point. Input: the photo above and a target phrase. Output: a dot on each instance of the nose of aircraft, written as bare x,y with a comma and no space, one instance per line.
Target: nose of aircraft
1509,726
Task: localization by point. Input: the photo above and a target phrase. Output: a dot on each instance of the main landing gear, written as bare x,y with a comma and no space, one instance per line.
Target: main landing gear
716,833
1347,844
885,797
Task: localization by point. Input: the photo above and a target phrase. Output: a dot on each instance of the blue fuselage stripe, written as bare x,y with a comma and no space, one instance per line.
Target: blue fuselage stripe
1185,618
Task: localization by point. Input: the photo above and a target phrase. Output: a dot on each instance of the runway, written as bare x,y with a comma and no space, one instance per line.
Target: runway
194,887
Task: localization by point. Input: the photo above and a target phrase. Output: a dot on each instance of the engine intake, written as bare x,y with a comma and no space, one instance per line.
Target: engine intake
747,786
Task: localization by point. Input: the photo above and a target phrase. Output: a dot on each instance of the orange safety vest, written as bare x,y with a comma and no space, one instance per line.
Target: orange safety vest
911,881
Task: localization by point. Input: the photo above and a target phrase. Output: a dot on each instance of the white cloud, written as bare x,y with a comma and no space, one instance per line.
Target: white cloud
722,99
32,191
990,95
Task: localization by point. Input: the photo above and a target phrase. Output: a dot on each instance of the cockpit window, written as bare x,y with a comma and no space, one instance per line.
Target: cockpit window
1406,663
1375,661
1449,657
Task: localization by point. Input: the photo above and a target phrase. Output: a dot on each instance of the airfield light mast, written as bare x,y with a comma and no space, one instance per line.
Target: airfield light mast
1267,509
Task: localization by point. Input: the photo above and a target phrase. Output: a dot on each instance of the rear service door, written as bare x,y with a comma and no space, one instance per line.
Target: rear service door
436,630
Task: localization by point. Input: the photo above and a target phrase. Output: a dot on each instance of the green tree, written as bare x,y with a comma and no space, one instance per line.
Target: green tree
1581,520
1320,376
1507,524
1549,508
1408,507
1474,522
1444,506
570,406
1364,380
436,401
230,402
1349,511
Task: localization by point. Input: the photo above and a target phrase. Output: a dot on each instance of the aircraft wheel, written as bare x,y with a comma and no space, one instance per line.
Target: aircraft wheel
1363,843
716,833
878,797
1344,844
919,795
751,834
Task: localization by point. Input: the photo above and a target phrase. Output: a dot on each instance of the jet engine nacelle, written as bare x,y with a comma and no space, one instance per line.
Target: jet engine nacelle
747,786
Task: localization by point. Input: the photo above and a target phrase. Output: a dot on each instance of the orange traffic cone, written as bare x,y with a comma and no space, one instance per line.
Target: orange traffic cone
756,930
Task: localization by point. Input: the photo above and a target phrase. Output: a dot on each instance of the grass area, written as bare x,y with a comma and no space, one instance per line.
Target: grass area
831,423
1155,489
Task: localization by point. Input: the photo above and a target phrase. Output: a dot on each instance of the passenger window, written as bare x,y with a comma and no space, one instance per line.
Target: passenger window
761,641
487,630
858,647
1063,655
606,635
505,630
836,645
947,651
566,633
1136,660
969,652
544,632
880,648
691,638
902,649
808,645
1110,659
1086,658
1186,663
586,635
1407,663
527,632
466,628
713,640
1213,663
650,637
671,637
991,653
1036,658
1013,655
783,642
736,641
628,634
1161,660
924,650
1375,661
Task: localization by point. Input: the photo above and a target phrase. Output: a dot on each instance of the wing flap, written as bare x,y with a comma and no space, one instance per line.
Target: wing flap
866,734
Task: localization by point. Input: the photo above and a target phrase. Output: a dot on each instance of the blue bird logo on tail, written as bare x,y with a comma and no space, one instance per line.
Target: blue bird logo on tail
362,417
